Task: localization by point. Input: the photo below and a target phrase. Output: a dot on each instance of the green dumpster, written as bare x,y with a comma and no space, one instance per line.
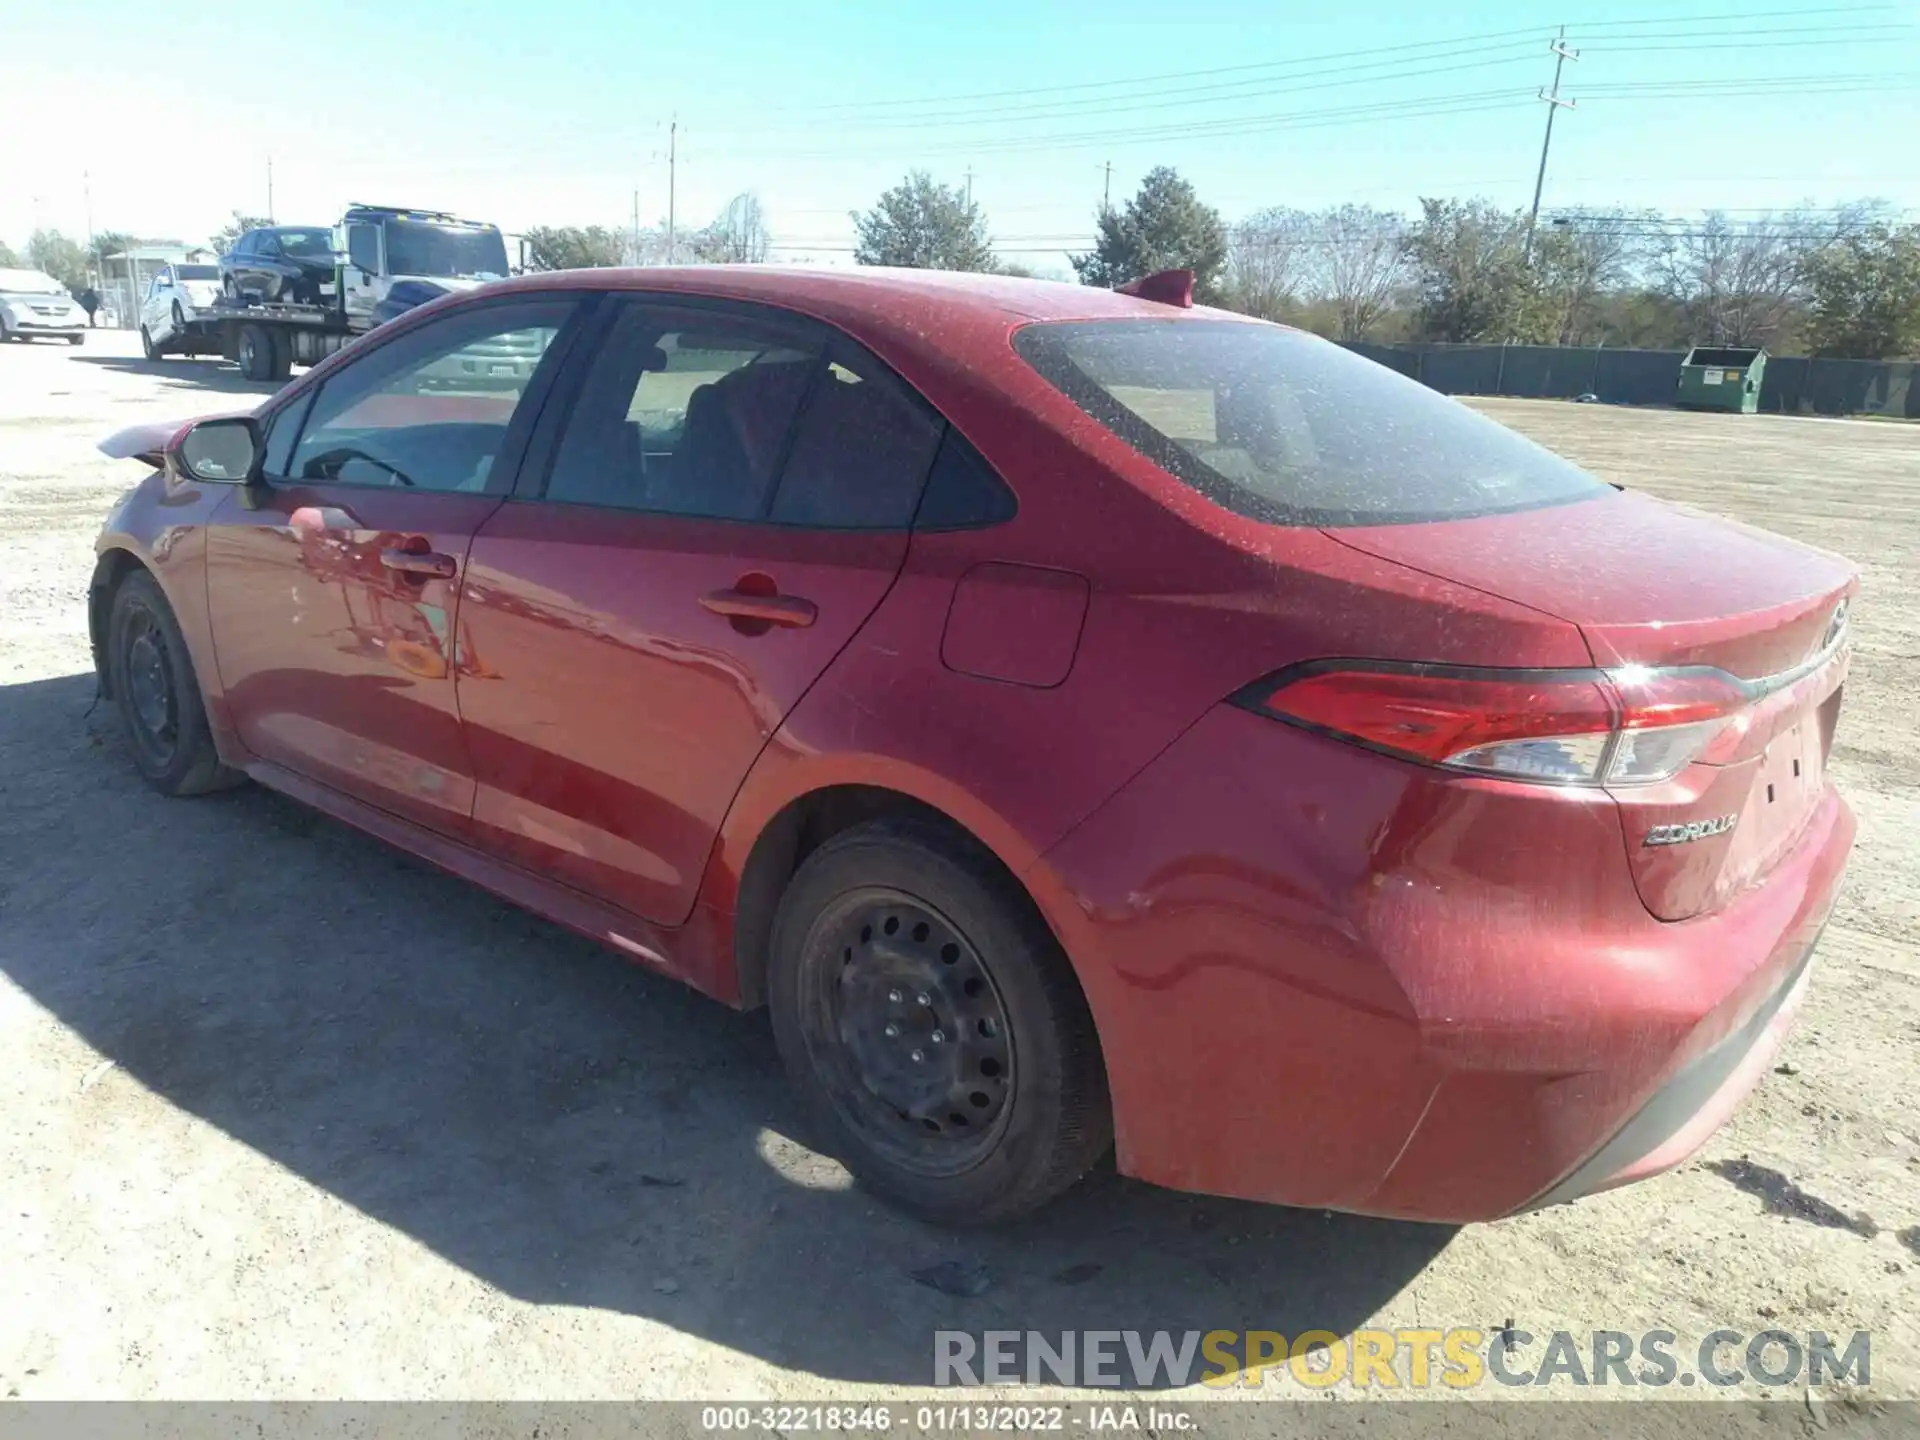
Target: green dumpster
1719,377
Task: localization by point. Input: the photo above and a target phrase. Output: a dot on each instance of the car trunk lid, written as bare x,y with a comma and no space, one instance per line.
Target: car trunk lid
1656,586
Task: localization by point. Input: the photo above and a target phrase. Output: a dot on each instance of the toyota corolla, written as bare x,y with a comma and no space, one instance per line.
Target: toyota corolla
1083,719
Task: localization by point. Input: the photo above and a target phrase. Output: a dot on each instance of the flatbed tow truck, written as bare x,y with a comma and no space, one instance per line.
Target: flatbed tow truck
386,251
265,340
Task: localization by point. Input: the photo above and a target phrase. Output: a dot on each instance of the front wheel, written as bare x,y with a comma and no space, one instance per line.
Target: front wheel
76,339
147,347
157,694
932,1026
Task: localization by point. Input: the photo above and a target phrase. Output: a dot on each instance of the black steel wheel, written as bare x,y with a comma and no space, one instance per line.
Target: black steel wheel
154,688
933,1027
923,1058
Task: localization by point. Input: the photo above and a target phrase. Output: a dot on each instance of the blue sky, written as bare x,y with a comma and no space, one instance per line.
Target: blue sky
555,112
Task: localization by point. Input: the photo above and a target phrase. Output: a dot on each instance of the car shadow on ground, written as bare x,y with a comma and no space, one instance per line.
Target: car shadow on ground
557,1122
205,373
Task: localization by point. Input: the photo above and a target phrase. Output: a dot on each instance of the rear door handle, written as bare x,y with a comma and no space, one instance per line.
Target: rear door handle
428,564
788,610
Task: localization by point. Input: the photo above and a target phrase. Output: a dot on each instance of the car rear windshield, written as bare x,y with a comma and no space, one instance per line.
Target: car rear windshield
1287,428
197,272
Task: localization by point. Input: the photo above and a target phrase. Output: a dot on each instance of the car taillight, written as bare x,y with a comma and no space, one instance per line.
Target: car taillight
1571,727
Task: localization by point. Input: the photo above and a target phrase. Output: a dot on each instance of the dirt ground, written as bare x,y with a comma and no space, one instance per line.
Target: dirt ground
284,1114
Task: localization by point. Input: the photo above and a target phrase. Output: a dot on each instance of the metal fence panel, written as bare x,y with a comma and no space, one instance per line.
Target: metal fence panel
1463,369
1792,385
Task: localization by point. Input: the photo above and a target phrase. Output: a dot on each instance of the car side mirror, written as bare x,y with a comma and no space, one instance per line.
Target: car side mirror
218,452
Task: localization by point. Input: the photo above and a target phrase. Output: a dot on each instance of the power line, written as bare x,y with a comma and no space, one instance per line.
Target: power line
1459,56
1742,17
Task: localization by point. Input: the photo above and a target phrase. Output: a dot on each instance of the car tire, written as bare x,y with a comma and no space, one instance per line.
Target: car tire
932,1026
147,347
76,339
282,355
162,714
254,350
6,335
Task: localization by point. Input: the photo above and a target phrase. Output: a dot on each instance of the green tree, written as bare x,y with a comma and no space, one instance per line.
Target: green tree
8,260
1163,227
923,225
229,233
60,256
1864,293
573,247
1475,282
108,242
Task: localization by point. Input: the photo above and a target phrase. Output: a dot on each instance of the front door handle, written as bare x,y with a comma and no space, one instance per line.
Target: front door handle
788,610
427,564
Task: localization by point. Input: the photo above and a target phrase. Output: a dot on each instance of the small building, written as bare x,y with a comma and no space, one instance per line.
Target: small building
126,274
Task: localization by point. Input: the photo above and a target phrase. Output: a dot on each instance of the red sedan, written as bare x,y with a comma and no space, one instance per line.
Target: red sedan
1082,718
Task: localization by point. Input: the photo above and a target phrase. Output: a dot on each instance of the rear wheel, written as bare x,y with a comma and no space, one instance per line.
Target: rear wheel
157,694
932,1026
76,339
147,347
255,352
282,355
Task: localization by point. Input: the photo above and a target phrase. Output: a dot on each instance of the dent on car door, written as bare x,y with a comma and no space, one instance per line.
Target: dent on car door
335,597
729,499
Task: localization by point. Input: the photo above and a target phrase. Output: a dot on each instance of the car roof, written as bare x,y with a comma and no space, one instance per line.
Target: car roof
878,292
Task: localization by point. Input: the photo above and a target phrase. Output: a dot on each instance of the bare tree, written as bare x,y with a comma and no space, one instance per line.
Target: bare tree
738,236
1741,282
1583,256
1270,257
1362,264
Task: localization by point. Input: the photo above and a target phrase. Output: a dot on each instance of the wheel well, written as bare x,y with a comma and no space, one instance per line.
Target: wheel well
795,833
108,572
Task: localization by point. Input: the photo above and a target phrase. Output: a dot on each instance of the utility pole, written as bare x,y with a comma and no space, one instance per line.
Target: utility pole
636,227
93,257
1106,188
969,187
1561,54
269,189
673,145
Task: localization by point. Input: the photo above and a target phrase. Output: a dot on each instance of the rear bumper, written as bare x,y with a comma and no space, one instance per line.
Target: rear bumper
1335,980
1699,1098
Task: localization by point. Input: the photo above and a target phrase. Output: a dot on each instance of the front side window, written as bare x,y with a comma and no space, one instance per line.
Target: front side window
1290,429
429,410
684,415
363,247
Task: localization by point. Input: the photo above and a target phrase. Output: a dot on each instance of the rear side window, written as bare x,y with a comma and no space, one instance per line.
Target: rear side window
684,415
861,453
1290,429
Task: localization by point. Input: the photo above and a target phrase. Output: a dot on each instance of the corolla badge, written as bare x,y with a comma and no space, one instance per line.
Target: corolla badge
1692,830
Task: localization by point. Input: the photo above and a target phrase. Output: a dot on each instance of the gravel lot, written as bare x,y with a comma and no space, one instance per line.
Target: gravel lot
285,1114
